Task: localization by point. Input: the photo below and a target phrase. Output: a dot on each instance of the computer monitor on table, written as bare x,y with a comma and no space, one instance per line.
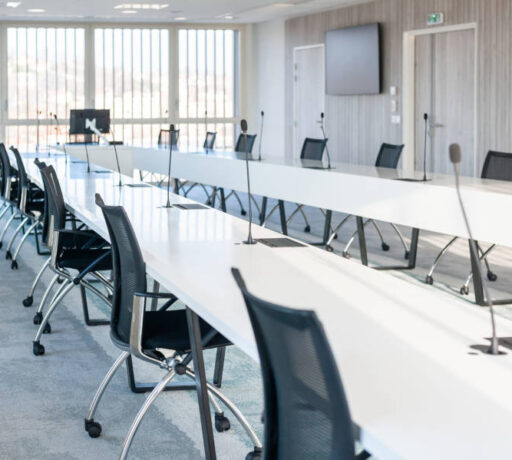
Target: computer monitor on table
77,120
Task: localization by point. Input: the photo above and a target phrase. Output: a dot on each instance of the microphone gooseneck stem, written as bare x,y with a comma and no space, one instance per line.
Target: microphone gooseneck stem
425,152
494,350
117,158
87,155
261,136
168,205
249,237
326,146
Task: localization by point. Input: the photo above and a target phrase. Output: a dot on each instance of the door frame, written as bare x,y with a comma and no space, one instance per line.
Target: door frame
409,90
294,106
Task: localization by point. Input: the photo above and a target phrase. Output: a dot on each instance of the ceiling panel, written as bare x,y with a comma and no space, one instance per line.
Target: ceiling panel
238,11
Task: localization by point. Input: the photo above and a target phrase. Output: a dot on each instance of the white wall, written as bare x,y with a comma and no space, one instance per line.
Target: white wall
265,85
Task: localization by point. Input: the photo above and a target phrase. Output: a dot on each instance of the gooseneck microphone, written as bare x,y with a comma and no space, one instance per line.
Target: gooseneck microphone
425,117
56,131
120,184
455,158
261,134
243,126
322,116
171,133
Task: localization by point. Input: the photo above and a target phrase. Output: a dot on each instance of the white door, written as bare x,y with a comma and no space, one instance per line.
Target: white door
445,89
308,94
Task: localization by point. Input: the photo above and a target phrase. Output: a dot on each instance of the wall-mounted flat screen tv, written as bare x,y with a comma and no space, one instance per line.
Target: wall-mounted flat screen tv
352,59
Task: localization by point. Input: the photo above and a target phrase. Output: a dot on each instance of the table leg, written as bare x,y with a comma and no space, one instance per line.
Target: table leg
202,394
156,290
327,227
282,214
362,240
263,213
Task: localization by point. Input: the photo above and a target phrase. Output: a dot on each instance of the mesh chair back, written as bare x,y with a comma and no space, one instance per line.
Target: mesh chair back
306,411
209,141
53,192
389,156
6,170
497,166
129,269
22,173
313,149
165,135
241,145
46,212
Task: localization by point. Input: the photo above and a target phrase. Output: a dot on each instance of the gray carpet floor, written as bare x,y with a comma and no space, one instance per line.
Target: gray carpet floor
43,400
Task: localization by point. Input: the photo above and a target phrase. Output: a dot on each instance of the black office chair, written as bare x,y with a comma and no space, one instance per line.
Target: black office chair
81,251
241,147
29,300
164,137
312,149
209,141
497,166
8,190
306,411
388,157
29,209
143,334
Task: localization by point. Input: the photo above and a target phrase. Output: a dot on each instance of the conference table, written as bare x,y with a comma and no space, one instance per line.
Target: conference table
363,191
416,385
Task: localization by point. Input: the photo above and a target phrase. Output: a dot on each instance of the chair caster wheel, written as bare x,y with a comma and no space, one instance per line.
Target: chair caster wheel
1,244
243,212
307,229
464,290
47,329
429,280
8,255
335,236
38,319
37,349
254,455
406,255
60,280
93,428
385,247
222,423
329,248
346,255
14,265
28,301
492,276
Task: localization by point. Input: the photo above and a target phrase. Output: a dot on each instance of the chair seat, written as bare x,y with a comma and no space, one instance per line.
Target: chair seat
80,259
34,207
81,239
169,330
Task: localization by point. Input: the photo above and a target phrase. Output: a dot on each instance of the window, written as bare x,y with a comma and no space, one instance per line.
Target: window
132,80
207,85
133,71
45,76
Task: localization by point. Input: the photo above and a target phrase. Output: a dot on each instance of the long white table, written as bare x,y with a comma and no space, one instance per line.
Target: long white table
415,387
364,191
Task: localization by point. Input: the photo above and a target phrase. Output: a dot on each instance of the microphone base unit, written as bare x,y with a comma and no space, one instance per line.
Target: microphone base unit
250,241
412,179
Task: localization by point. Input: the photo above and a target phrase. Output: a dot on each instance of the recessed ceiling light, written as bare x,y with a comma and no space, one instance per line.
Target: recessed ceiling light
141,6
36,10
129,12
228,16
180,18
12,4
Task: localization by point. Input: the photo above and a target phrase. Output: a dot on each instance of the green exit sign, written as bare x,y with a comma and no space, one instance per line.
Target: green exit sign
435,19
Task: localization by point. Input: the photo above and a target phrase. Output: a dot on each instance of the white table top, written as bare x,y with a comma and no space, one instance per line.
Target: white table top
365,191
402,349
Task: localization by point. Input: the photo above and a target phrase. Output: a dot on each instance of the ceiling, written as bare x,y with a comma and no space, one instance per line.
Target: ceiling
223,11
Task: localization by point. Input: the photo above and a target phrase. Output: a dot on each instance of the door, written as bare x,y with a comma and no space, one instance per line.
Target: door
308,94
445,90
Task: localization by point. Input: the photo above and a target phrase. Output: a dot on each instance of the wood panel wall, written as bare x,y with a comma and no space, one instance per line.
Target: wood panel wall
358,124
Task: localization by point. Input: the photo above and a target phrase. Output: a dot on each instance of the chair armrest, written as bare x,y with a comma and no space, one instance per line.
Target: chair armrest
154,295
